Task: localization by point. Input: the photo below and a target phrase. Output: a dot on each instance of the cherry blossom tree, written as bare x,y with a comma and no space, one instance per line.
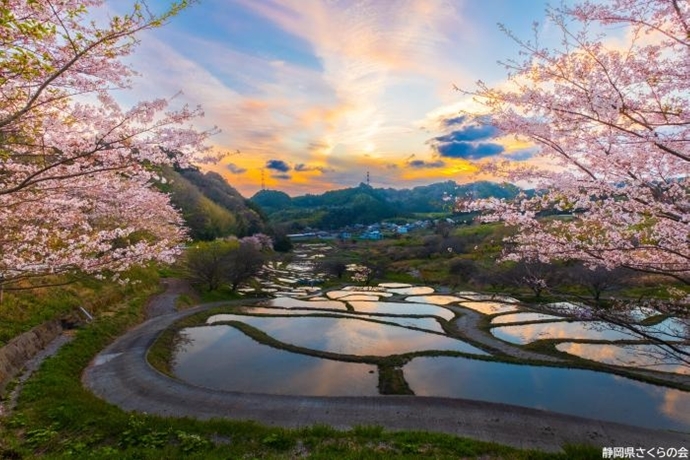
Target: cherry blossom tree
609,110
360,273
76,168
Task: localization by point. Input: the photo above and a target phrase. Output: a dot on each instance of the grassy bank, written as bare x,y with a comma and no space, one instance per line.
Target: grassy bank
23,309
57,418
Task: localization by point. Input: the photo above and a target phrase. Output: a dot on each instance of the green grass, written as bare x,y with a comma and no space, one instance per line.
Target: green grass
23,309
392,381
224,293
57,418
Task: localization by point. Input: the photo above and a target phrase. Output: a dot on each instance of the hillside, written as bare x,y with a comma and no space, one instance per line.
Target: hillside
366,205
210,206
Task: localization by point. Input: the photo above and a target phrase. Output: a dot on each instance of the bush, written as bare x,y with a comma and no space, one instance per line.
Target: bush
220,262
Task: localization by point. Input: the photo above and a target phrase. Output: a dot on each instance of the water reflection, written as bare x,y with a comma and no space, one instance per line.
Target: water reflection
570,391
639,355
412,290
489,308
395,285
582,330
528,333
522,317
433,299
471,295
346,293
677,406
301,267
287,280
351,336
429,324
359,298
289,302
670,329
223,358
396,308
209,358
566,307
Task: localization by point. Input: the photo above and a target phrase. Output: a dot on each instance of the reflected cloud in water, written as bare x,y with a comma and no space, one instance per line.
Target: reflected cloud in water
398,308
581,330
339,294
528,333
290,302
641,356
572,391
394,285
223,358
429,324
412,290
471,295
677,406
521,317
489,308
350,336
433,299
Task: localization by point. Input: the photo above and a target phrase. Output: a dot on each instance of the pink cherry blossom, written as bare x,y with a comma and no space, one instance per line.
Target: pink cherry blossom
76,168
612,122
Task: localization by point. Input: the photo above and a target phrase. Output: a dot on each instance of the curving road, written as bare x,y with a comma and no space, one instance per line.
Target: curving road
121,375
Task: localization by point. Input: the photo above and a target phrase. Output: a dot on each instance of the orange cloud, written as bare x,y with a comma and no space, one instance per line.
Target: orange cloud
455,170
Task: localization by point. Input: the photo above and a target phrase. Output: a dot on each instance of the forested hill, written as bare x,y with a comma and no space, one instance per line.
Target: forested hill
210,206
365,204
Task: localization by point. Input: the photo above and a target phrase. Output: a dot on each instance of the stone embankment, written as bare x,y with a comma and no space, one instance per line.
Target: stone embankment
21,349
18,355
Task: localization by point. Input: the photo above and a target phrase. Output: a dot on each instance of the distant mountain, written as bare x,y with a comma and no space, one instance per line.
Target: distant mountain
210,206
434,197
366,205
272,200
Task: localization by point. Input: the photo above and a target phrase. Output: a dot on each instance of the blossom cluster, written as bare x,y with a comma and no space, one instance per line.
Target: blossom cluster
76,168
612,126
359,273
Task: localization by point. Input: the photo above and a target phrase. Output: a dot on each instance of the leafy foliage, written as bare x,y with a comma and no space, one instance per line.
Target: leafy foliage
23,309
367,205
231,261
272,200
210,207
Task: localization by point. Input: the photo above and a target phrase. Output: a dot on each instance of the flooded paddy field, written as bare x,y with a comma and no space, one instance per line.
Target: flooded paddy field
337,342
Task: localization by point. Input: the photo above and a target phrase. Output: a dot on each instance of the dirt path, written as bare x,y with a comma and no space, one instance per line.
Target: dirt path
165,302
467,326
121,375
158,305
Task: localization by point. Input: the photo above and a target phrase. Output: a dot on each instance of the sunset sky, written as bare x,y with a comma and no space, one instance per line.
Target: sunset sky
315,93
